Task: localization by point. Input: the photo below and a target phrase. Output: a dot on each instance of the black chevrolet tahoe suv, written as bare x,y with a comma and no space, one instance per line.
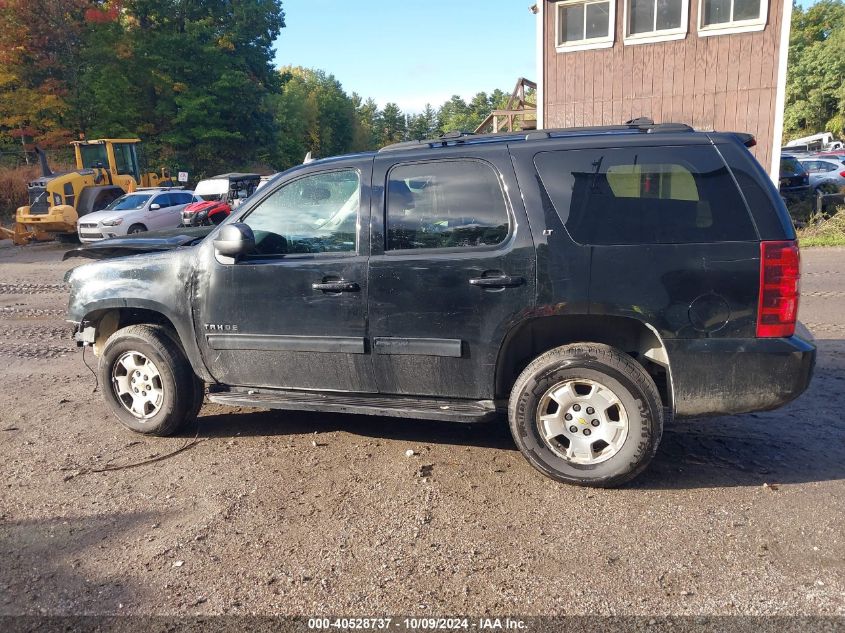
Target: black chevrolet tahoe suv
592,283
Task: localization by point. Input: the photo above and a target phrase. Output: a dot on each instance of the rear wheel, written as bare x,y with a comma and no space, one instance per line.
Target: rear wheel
586,414
147,381
136,228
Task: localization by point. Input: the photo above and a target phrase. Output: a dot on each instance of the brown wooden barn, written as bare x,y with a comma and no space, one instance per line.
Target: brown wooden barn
715,64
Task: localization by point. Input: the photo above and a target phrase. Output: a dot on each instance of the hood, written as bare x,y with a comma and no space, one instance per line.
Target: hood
196,207
99,216
152,242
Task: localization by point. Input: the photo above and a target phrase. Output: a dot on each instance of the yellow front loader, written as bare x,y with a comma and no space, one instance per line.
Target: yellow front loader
105,170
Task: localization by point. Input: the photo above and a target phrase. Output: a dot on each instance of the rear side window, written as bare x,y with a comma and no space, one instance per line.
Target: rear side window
446,204
163,200
181,198
645,195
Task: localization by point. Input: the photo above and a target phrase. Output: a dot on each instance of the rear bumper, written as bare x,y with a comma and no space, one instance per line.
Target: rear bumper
727,376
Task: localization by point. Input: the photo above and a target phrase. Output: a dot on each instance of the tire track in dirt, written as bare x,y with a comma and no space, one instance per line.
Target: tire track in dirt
35,332
825,294
35,350
19,312
825,327
31,288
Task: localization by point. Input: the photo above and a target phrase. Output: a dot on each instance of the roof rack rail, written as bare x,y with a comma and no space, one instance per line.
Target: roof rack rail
441,141
640,124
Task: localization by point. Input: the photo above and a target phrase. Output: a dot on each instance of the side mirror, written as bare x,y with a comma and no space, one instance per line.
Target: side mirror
155,206
234,240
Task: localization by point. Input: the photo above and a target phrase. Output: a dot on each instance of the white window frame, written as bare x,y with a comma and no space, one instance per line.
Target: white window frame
593,42
734,26
663,35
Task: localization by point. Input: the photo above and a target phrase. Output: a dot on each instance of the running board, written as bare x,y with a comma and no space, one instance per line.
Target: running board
453,410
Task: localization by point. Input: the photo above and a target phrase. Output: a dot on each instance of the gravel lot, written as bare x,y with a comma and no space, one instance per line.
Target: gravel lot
287,513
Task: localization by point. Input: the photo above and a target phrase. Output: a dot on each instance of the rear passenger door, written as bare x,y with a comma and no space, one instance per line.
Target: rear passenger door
452,266
672,240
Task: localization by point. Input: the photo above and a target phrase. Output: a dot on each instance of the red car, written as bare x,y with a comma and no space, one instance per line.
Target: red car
219,195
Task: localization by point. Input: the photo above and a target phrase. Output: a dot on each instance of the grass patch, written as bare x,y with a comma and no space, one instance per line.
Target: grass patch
824,231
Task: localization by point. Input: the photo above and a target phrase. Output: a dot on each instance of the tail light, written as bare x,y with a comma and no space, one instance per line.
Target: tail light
842,174
780,274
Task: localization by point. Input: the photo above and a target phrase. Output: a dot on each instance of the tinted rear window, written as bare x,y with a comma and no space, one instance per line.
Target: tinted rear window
790,167
645,195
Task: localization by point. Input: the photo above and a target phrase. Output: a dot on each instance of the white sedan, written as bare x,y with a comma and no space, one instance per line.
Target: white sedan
136,212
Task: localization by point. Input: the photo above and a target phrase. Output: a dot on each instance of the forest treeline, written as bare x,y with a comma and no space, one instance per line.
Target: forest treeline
198,81
195,80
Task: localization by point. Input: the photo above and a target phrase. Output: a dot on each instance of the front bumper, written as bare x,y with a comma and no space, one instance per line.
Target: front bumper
727,376
58,219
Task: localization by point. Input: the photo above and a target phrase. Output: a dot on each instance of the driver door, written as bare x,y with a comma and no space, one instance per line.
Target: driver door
293,314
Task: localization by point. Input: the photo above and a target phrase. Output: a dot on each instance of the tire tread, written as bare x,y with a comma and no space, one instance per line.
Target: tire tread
614,358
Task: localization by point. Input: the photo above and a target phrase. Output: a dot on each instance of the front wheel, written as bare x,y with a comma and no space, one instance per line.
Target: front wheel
136,228
586,414
147,381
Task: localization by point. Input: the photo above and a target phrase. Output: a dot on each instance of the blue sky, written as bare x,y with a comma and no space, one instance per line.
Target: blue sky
412,51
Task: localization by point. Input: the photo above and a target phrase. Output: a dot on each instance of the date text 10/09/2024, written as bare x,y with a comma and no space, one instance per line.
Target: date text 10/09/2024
417,624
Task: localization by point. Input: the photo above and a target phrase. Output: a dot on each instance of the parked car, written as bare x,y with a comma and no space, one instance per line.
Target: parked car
136,212
218,196
838,155
793,178
826,175
589,284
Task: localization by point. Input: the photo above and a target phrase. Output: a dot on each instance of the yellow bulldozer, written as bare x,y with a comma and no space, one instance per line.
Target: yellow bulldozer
105,170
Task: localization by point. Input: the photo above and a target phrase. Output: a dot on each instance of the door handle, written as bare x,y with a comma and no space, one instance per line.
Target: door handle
336,286
499,281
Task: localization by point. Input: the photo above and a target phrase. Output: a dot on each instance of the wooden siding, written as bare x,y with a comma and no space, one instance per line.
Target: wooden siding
721,82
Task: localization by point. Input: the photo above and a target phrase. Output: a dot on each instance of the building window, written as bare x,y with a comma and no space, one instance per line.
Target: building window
585,24
655,20
718,17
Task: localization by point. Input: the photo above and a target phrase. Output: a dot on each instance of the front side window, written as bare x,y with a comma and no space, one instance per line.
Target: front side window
655,20
731,16
182,198
313,214
445,204
642,195
583,24
93,156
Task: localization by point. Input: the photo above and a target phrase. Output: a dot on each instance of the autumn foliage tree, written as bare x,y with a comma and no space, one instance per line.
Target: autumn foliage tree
196,80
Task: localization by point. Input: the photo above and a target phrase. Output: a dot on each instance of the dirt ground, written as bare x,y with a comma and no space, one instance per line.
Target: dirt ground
310,514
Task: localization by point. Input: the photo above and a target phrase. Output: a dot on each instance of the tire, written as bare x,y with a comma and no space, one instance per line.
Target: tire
199,385
171,397
96,198
580,375
136,228
105,198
